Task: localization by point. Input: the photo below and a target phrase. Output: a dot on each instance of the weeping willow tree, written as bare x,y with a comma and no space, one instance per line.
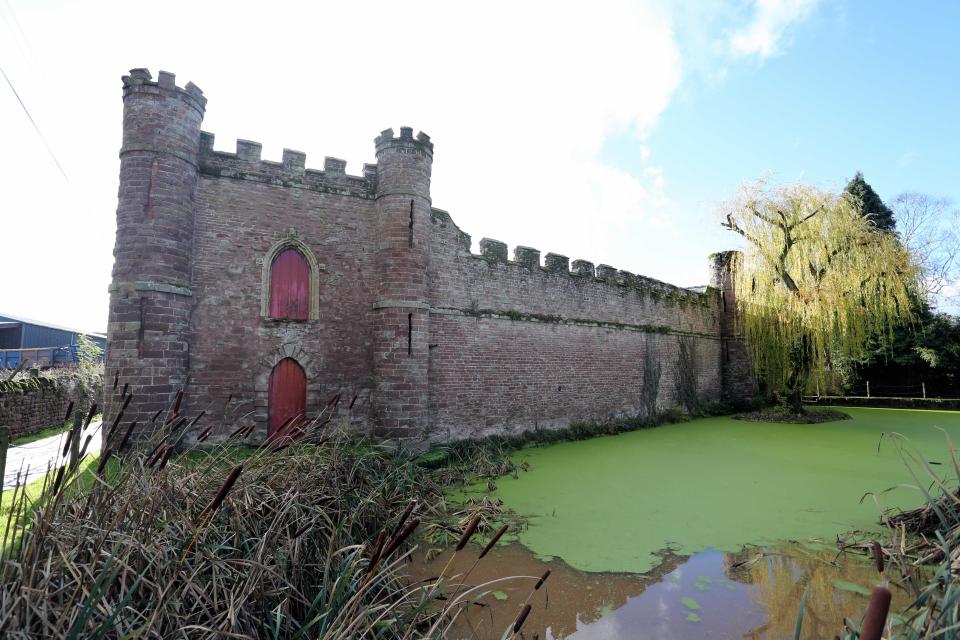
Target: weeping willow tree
816,282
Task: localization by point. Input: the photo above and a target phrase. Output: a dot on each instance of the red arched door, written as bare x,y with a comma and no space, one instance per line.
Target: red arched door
288,392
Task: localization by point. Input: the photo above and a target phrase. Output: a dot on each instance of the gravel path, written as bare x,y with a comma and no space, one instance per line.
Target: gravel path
35,457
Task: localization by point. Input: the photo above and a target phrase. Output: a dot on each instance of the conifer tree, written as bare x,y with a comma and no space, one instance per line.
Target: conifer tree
870,204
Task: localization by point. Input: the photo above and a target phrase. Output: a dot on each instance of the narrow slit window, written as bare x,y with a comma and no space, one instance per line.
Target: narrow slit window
411,223
140,330
409,334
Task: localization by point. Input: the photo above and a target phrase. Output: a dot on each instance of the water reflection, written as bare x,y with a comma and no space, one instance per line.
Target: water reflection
752,594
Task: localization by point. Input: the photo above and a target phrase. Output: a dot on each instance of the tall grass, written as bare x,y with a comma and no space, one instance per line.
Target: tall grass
920,556
306,536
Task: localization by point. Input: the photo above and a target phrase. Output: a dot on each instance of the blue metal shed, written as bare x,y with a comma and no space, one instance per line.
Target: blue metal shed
38,343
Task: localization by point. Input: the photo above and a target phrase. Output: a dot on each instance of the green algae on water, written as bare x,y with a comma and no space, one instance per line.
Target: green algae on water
690,603
692,617
611,503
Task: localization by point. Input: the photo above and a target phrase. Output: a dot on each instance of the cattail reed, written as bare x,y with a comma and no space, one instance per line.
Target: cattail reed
126,386
224,489
378,548
155,455
496,537
116,420
69,411
197,419
236,432
156,415
353,402
179,424
116,379
66,445
521,618
398,540
166,457
126,436
86,443
154,450
403,517
58,480
205,434
176,403
543,578
468,532
876,616
92,412
878,556
104,457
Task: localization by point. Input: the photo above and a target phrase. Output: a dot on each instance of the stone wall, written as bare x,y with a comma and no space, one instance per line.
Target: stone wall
516,344
424,338
29,405
244,217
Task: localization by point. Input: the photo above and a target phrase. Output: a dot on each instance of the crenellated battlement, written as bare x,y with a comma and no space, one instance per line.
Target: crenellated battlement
246,163
387,140
495,252
442,342
141,81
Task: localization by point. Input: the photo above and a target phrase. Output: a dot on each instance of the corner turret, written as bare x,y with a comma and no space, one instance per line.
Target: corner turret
401,308
738,382
150,296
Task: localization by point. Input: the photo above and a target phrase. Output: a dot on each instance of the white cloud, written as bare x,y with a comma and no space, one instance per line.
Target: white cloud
518,97
765,32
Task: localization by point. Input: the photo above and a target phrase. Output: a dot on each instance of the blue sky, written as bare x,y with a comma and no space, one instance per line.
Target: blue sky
609,131
869,86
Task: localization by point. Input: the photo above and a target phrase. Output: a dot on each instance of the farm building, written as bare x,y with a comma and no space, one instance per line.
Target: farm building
39,343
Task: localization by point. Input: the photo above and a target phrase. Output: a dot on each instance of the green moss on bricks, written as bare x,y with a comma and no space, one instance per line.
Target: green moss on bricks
511,314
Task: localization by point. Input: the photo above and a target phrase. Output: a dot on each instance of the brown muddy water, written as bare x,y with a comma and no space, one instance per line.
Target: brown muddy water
752,594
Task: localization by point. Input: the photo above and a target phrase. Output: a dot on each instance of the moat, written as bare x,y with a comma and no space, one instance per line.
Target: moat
716,524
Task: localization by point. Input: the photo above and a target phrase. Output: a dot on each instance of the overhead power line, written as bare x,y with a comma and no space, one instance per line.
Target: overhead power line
33,122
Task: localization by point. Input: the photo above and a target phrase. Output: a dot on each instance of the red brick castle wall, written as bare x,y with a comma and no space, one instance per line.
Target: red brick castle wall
432,340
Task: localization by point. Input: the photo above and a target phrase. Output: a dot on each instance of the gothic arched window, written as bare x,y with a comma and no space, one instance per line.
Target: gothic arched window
290,286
